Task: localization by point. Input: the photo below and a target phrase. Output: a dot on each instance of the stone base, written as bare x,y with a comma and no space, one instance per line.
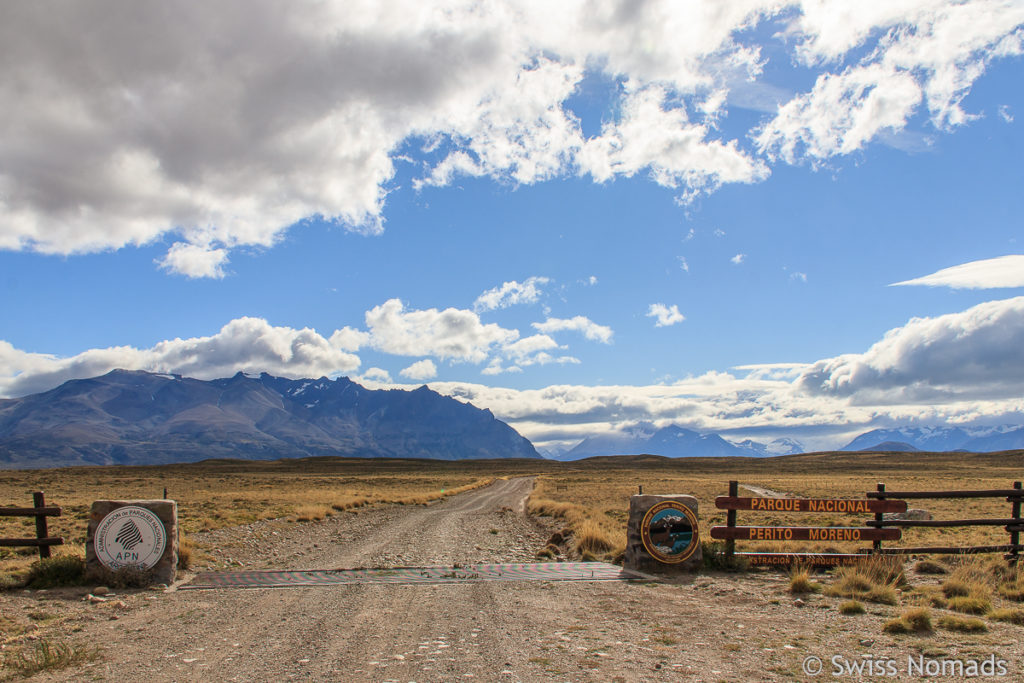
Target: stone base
166,511
638,557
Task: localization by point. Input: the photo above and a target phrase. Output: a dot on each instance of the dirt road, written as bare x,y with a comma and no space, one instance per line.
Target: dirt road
705,628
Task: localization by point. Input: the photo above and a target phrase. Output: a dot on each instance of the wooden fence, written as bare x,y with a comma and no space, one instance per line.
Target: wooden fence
41,511
876,530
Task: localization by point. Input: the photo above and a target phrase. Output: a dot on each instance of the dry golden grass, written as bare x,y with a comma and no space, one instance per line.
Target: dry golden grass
216,494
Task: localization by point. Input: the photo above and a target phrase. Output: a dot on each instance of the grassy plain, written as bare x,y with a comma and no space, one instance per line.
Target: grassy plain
591,496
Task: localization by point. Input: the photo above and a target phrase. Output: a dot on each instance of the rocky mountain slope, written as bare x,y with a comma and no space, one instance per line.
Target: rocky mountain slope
135,417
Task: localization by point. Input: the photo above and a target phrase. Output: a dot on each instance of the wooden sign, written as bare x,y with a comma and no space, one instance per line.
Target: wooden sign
815,559
810,505
804,533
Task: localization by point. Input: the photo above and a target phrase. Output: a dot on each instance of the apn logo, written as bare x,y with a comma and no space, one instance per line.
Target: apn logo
129,536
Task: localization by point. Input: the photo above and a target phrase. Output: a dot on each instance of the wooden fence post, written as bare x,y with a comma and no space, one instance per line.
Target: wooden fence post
730,521
40,502
1015,513
877,546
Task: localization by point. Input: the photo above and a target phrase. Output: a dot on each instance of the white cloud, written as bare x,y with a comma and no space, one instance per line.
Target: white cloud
683,264
348,339
651,135
1004,271
798,276
929,52
377,375
738,259
195,260
221,125
579,323
1005,114
510,294
666,315
977,353
451,334
244,344
420,370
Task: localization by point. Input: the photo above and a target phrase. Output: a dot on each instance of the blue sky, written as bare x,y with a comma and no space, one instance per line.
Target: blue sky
583,219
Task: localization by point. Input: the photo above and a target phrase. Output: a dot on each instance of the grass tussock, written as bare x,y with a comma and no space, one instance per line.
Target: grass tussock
930,567
186,551
1007,614
53,572
851,607
962,624
970,604
874,580
313,513
955,588
800,582
914,620
47,656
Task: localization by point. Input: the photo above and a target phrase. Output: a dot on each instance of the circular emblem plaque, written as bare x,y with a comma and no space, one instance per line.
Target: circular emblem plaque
130,536
669,532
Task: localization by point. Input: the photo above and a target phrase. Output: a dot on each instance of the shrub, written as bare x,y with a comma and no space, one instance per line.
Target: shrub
874,580
851,607
185,549
963,624
62,570
714,556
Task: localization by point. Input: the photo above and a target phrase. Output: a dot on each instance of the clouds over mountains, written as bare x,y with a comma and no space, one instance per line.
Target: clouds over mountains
959,367
216,126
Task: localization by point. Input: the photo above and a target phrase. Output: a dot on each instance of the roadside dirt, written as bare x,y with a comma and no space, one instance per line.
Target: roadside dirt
708,627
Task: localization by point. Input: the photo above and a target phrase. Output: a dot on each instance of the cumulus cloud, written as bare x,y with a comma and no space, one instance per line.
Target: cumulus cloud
420,370
665,315
216,126
195,260
1005,114
1004,271
738,259
587,327
977,353
928,52
377,375
510,294
451,334
242,345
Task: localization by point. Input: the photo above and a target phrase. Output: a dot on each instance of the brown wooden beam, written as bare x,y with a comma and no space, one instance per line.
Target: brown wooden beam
14,542
49,511
941,522
990,493
952,550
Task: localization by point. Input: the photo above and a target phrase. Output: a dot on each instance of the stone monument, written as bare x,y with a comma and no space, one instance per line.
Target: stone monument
662,534
134,534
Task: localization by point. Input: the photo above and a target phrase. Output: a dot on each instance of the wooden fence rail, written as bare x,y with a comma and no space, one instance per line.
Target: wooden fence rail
41,511
876,530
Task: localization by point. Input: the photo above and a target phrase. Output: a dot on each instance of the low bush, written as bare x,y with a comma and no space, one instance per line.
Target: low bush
970,604
851,607
962,624
930,567
715,557
915,620
1009,615
953,588
47,656
52,572
800,581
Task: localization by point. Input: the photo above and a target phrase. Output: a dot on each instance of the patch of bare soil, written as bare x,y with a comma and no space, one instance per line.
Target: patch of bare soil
708,627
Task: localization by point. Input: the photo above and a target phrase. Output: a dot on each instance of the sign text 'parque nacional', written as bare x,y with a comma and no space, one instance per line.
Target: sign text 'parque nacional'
856,506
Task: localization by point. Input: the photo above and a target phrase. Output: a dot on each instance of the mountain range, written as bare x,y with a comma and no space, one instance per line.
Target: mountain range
135,418
675,442
936,439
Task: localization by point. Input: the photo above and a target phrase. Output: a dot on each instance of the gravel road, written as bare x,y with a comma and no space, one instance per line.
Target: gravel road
708,627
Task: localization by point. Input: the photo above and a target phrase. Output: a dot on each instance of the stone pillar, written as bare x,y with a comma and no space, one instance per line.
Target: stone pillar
662,534
141,535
